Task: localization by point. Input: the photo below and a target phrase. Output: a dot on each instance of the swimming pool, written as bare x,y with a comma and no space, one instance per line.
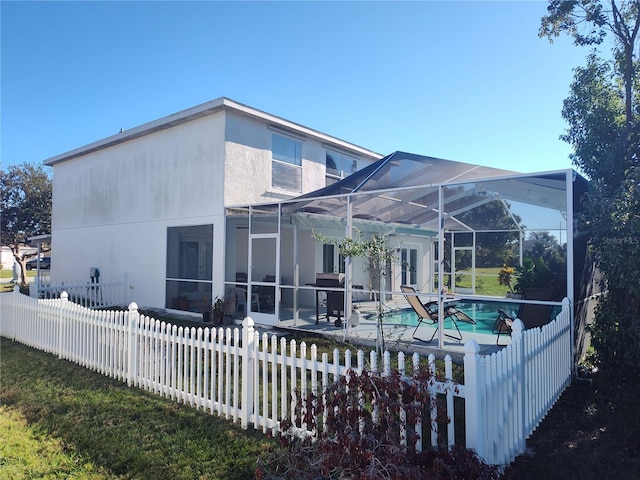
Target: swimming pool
484,314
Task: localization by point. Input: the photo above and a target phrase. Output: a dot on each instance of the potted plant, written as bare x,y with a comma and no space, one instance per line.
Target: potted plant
206,309
505,277
218,310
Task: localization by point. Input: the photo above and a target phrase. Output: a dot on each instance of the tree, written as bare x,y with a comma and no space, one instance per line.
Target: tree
25,202
544,266
589,22
602,112
377,254
498,242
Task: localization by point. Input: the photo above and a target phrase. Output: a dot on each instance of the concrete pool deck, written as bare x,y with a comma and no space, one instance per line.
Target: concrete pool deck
397,336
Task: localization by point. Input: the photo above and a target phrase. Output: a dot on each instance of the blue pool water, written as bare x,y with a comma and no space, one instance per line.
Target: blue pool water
484,314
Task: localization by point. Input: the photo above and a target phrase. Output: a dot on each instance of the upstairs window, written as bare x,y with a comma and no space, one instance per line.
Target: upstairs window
339,166
286,164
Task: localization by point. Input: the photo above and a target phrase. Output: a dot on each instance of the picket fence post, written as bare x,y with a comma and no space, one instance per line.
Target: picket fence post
62,306
132,329
520,417
474,398
248,374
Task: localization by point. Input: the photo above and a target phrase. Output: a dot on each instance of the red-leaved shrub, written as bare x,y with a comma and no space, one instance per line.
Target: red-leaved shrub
366,426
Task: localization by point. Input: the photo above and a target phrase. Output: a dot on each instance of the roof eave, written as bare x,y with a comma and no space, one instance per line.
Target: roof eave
203,110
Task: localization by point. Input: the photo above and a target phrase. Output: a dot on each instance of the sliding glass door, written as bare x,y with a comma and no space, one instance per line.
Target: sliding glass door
189,268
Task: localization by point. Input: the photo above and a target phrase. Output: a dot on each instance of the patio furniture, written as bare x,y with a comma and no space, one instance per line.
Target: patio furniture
267,294
428,314
335,299
241,300
531,314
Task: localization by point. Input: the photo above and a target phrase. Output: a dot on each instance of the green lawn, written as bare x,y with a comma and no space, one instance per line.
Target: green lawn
64,421
6,274
486,282
27,452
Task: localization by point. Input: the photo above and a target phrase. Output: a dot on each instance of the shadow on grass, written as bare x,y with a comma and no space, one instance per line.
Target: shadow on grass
593,432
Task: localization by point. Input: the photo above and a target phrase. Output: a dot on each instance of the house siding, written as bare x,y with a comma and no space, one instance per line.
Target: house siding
112,208
114,200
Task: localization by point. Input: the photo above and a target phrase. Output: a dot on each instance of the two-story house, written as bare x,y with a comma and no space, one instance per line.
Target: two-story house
150,201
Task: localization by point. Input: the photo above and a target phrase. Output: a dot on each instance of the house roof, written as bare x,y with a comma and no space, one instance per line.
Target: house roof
203,110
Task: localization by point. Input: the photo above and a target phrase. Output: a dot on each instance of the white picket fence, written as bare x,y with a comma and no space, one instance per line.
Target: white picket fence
242,375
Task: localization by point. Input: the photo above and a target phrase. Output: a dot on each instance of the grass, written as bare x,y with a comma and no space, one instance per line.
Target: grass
591,433
68,422
60,421
486,281
26,452
5,275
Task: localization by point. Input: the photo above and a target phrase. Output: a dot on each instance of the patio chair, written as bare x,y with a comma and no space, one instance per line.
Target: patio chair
531,314
428,314
241,300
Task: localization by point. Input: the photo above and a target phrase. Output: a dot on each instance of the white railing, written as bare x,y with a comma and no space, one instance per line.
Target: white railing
100,293
251,378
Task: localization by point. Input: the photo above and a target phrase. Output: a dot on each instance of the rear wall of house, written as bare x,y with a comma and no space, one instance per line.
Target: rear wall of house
112,208
249,160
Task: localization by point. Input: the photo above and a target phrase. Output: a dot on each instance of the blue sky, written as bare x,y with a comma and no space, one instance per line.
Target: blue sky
467,81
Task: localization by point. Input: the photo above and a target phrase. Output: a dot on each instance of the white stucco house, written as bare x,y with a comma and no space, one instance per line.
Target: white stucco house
150,201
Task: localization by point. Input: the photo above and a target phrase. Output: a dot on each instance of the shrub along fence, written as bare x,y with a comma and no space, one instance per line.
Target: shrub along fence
251,378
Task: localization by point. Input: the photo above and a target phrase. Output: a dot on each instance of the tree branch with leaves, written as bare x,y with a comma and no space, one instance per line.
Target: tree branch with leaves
589,22
377,255
602,112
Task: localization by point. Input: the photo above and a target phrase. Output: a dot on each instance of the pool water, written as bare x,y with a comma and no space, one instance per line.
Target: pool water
484,314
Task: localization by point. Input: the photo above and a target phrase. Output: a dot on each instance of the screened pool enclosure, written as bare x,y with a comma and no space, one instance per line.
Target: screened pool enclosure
453,228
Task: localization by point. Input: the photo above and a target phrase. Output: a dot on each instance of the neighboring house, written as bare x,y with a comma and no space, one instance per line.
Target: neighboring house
6,258
150,201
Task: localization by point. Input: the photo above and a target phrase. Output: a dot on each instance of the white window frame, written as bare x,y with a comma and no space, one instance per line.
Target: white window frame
341,172
284,163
